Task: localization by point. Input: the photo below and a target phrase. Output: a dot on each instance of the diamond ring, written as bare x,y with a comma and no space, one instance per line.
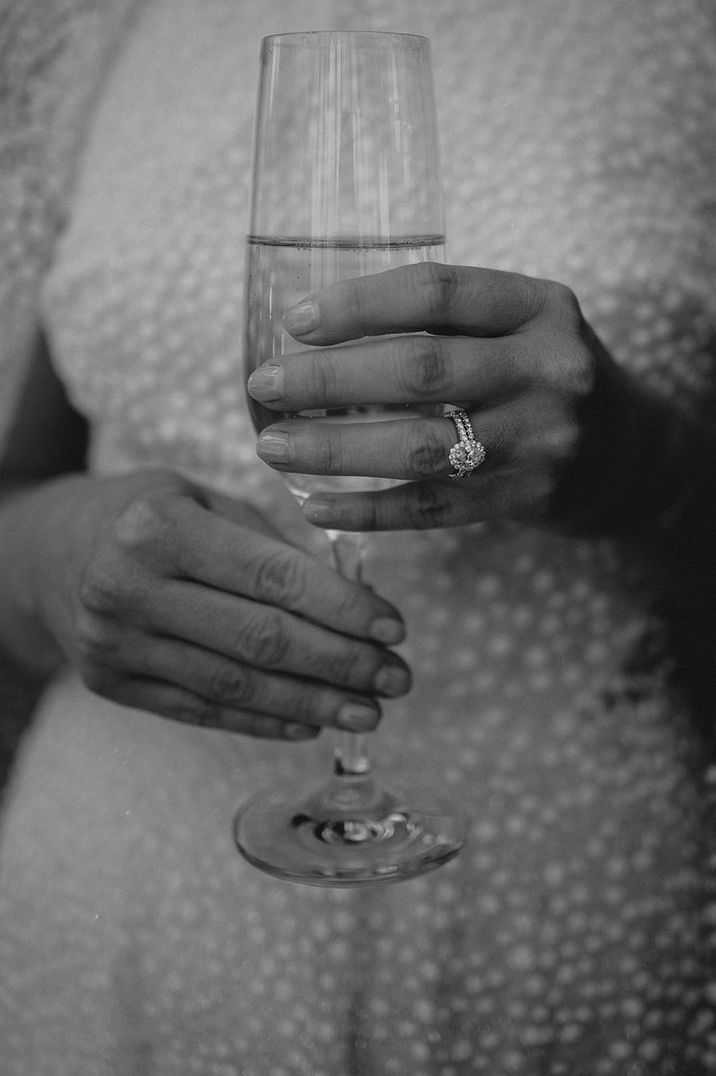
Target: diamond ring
468,453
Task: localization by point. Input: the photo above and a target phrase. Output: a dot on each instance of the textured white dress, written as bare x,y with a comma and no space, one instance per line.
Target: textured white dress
574,935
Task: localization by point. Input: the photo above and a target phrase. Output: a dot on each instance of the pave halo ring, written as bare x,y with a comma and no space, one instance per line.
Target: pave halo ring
468,453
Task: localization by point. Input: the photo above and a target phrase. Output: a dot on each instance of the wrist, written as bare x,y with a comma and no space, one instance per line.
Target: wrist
634,465
653,482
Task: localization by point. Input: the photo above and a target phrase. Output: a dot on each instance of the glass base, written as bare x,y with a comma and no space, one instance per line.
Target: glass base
348,832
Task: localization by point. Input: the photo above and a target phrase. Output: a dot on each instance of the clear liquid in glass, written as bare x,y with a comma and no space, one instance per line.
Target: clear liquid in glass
283,271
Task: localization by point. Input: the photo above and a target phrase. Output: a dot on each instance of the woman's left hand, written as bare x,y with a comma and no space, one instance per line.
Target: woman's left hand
553,411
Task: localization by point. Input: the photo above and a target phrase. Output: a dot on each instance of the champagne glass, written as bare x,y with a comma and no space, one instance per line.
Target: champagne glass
345,182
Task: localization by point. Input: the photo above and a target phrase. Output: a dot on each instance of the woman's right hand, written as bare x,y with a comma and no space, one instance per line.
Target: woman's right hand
171,599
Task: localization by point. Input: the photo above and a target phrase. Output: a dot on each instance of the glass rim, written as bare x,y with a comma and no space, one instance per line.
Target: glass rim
298,37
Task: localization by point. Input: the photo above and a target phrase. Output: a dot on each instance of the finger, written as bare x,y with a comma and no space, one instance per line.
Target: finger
424,297
418,448
172,701
209,549
515,494
269,638
233,686
409,448
417,369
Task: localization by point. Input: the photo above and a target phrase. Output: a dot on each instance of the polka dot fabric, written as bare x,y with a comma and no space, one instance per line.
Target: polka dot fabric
571,937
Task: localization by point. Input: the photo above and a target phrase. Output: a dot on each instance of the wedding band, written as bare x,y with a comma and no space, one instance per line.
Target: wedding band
468,453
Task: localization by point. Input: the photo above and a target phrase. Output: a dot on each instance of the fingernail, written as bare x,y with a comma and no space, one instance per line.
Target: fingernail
319,512
392,680
301,318
300,732
273,447
387,630
266,383
355,717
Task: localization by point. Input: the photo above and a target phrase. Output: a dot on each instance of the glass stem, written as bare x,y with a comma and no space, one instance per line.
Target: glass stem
351,758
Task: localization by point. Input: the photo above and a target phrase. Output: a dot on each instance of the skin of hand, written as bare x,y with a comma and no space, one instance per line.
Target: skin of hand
173,599
564,428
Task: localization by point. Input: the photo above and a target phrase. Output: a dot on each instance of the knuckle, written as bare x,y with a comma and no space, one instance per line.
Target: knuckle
305,708
431,506
355,305
582,374
560,300
194,710
111,586
427,371
348,667
99,589
533,299
564,441
572,374
441,282
230,684
543,490
323,376
264,640
149,530
143,523
114,576
534,494
560,306
429,457
555,441
95,638
281,578
328,456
